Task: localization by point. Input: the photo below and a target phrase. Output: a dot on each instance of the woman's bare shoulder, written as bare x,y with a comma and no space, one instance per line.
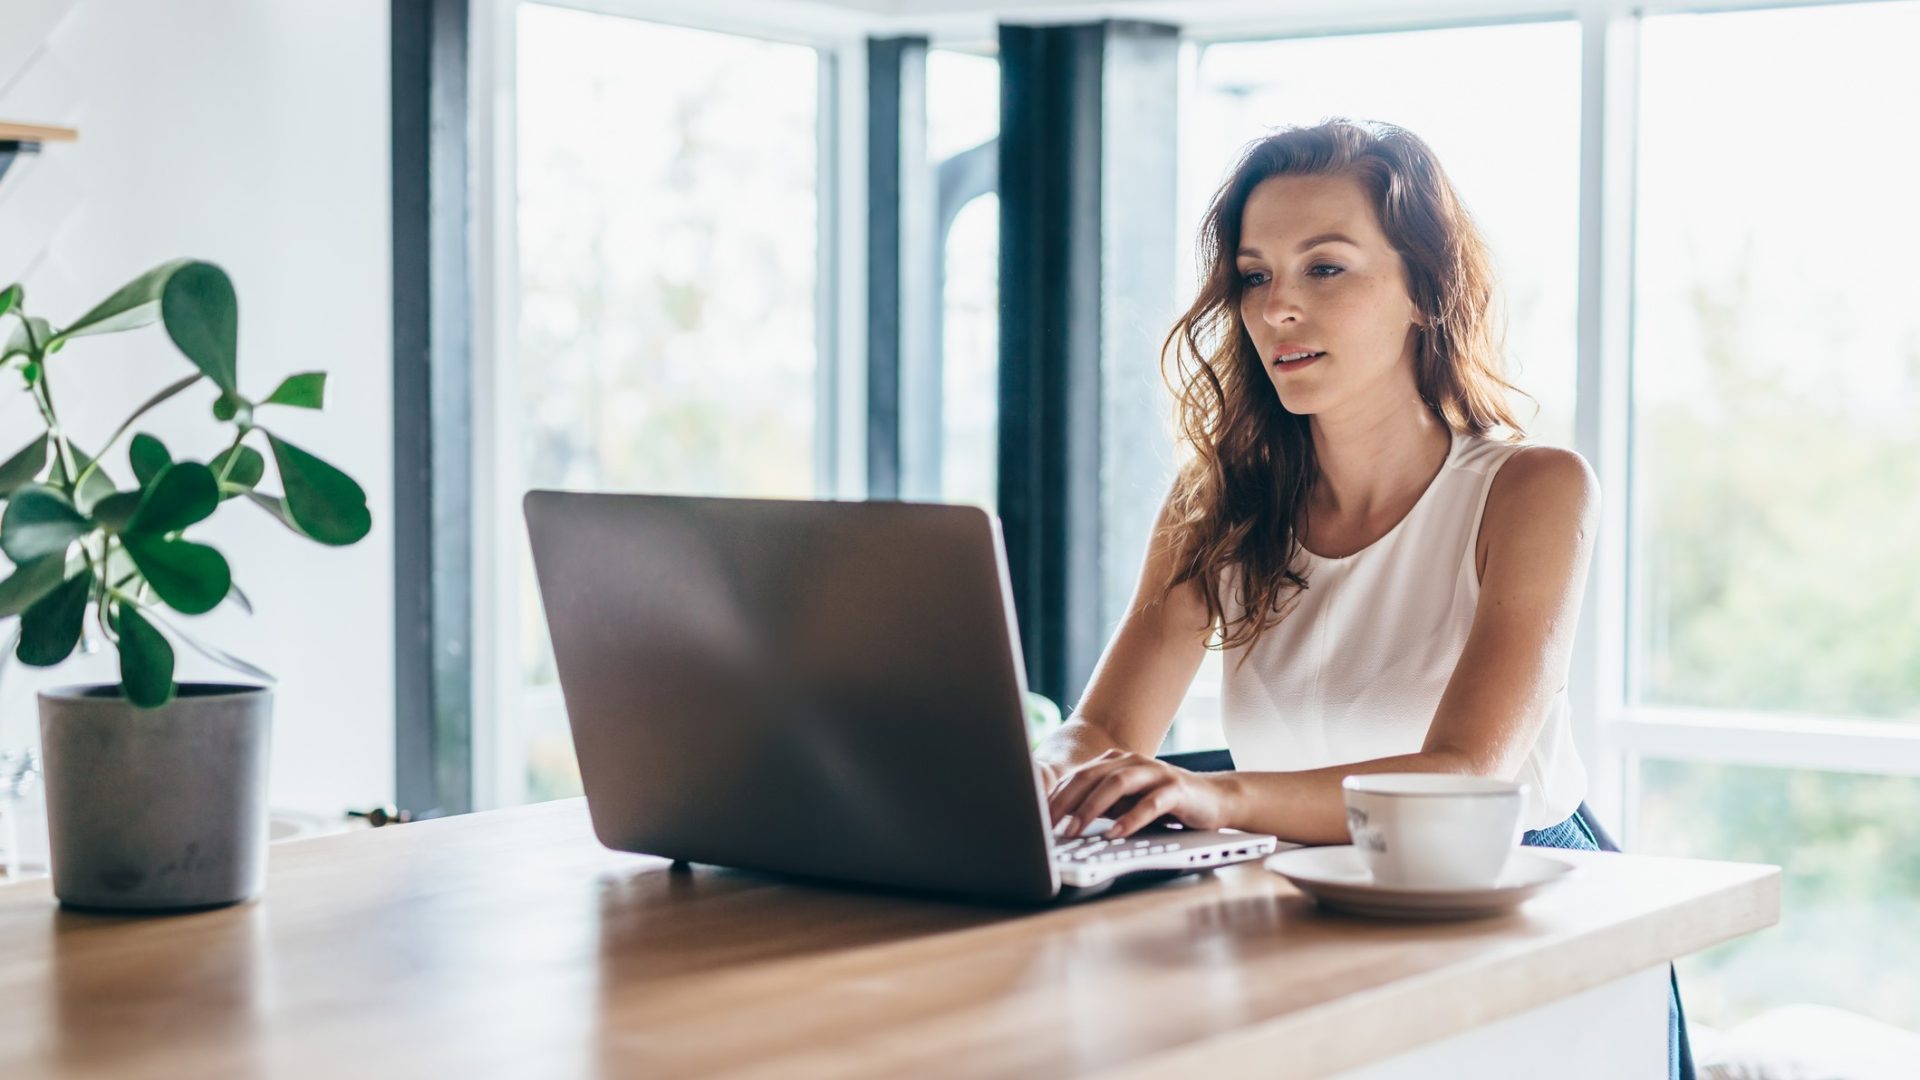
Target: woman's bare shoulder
1539,485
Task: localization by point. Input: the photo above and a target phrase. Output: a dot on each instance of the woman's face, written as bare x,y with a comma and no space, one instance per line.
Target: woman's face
1304,291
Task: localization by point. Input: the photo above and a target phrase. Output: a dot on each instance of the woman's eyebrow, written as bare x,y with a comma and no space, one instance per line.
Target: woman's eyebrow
1323,238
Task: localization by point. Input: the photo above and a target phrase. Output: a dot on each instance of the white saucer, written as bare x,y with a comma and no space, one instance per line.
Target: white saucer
1339,880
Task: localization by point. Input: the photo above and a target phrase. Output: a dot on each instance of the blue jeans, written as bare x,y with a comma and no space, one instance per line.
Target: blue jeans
1573,833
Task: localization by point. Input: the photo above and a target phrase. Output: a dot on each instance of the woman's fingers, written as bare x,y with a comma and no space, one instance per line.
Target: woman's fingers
1075,788
1117,784
1134,790
1151,807
1074,785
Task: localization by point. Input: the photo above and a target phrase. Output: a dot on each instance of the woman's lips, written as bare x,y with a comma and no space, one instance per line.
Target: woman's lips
1296,365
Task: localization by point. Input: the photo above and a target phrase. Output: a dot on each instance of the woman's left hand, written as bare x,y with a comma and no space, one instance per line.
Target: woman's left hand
1155,788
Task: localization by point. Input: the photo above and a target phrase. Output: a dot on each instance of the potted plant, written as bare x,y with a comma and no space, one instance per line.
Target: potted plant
156,791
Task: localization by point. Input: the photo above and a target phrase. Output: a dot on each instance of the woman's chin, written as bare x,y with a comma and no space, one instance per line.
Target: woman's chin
1299,403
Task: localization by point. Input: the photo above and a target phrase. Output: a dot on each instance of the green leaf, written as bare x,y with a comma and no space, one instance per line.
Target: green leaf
181,495
39,522
192,578
307,390
277,506
146,660
137,303
247,469
10,298
31,581
149,456
203,319
28,338
233,407
322,501
51,627
22,467
116,510
97,485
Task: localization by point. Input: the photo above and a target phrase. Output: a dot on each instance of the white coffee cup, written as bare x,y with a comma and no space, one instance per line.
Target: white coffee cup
1433,830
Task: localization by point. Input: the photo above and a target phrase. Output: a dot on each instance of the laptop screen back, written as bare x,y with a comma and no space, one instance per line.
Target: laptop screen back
831,689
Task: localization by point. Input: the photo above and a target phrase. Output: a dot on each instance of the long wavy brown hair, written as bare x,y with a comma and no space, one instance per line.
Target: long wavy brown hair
1239,501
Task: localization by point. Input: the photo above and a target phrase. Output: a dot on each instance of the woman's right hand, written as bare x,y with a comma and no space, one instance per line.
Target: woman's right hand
1053,775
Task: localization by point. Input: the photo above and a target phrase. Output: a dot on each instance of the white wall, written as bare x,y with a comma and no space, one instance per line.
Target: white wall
252,133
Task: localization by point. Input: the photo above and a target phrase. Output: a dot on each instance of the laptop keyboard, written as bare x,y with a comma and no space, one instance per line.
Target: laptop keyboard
1095,849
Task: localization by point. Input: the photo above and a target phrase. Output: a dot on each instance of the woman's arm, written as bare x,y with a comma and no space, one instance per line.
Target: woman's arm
1143,675
1539,523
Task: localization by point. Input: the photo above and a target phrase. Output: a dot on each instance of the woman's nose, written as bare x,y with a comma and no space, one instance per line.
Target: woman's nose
1280,307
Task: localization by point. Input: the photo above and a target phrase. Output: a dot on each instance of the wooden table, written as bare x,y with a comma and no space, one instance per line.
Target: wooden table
512,944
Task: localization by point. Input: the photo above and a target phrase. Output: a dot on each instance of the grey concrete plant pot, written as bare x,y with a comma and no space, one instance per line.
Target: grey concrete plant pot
156,809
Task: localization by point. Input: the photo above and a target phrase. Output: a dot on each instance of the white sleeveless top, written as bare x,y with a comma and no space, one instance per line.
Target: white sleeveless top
1356,669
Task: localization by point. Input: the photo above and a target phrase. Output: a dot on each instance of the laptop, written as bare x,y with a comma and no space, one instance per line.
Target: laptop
828,690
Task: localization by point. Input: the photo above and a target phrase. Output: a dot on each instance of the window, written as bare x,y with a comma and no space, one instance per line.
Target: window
963,118
1776,457
1849,850
1777,366
969,470
667,232
1499,105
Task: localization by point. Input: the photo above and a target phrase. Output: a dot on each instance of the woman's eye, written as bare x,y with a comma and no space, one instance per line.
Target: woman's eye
1255,278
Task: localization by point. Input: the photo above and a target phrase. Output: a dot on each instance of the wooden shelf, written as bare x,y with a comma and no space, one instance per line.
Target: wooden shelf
17,139
12,132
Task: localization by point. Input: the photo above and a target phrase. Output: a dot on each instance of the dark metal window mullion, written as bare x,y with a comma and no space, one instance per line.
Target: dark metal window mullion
432,408
897,227
1049,339
1062,313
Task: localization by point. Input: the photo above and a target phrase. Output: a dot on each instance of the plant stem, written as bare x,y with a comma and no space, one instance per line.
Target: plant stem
100,617
106,562
43,400
232,457
43,397
41,403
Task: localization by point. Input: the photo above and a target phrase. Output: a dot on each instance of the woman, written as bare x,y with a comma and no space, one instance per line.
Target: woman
1394,575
